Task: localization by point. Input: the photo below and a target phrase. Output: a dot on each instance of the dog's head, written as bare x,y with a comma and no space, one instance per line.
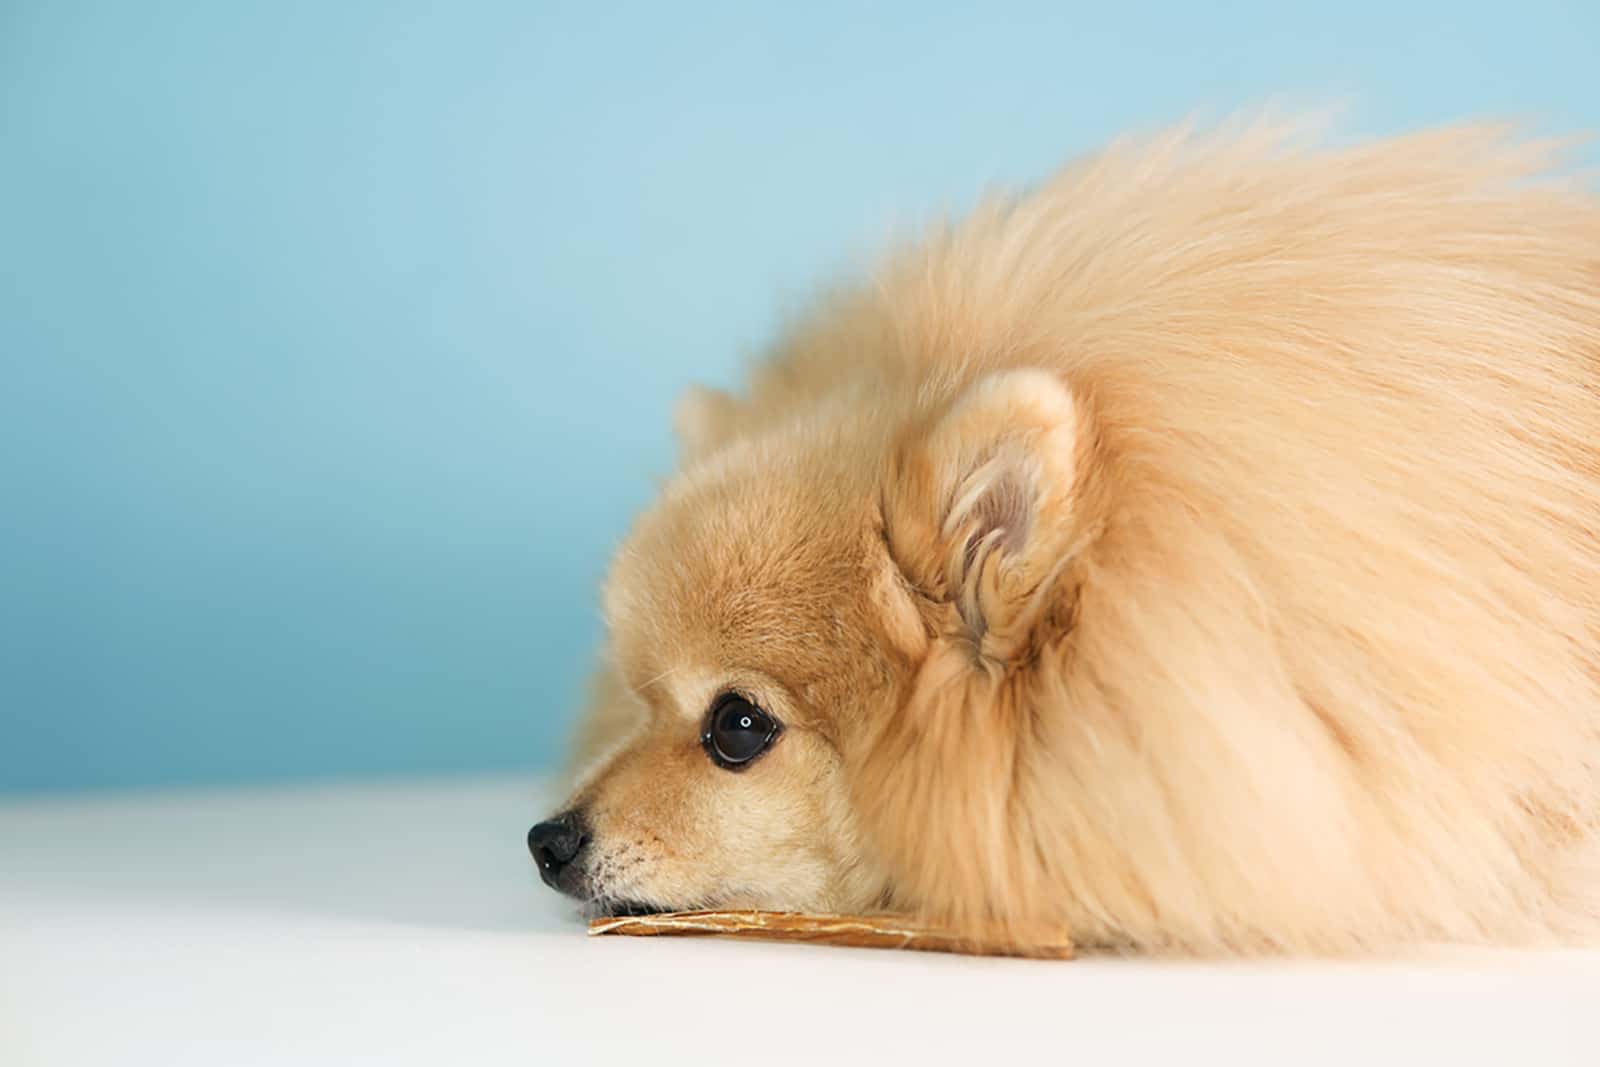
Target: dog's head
816,634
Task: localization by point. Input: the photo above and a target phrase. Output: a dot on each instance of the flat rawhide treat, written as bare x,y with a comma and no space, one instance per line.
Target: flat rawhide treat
855,931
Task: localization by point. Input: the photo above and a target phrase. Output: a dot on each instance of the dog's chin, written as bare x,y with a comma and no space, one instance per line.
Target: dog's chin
616,909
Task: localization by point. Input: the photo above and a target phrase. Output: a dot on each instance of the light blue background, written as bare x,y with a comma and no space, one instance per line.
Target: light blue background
339,339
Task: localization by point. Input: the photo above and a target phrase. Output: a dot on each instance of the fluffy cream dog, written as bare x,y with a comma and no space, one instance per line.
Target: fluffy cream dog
1201,551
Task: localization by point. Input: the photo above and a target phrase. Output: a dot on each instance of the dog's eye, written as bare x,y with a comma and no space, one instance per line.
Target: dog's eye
737,731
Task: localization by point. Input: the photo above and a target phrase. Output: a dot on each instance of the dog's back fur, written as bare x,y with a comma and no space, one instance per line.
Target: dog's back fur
1326,661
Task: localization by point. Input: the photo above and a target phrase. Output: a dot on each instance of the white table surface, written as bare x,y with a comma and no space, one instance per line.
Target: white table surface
403,923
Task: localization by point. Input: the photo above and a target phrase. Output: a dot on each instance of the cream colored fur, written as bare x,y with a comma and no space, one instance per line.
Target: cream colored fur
1201,550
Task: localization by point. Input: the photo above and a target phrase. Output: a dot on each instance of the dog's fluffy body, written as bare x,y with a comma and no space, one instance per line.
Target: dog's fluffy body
1201,551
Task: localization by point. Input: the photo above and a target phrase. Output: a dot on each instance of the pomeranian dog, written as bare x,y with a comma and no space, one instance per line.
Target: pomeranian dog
1200,552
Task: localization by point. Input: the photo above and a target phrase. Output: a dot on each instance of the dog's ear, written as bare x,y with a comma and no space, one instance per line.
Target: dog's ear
702,420
978,505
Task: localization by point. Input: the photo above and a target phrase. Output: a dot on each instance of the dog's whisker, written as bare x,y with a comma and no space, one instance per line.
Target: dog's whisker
663,676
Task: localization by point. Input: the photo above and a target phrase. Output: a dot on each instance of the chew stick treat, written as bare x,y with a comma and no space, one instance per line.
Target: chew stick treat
855,931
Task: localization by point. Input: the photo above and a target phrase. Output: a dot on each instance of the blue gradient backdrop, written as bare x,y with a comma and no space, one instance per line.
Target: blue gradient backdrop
338,339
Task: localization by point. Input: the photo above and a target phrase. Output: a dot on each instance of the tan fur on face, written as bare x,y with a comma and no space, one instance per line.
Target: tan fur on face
1202,551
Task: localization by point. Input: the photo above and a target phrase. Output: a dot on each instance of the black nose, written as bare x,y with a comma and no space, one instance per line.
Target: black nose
555,843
